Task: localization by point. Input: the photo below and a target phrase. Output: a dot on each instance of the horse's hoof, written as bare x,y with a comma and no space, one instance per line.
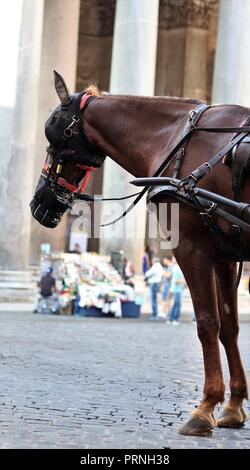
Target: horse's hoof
197,426
232,418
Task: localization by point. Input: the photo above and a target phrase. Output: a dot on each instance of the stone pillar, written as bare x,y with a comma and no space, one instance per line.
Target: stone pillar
184,54
232,60
17,176
132,72
59,52
95,43
93,65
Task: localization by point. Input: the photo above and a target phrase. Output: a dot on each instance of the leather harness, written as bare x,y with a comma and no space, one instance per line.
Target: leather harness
179,151
185,190
188,184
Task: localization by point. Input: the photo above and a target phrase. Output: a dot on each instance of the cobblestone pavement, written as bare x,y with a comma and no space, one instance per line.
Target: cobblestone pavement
102,383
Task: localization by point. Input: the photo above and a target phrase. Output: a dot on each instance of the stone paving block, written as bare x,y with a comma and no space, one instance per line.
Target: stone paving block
92,383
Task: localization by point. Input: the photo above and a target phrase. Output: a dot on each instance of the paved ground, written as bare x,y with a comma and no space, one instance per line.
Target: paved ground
90,383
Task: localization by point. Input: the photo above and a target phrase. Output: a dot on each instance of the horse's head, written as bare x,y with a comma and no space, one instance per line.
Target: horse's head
70,157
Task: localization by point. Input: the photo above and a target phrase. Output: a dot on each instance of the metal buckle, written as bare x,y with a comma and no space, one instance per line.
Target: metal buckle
209,166
211,208
191,114
68,132
63,199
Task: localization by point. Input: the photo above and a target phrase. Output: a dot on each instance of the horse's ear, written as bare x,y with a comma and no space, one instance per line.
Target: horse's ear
61,88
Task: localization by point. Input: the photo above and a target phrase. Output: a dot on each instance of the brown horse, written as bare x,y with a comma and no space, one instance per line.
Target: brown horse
137,133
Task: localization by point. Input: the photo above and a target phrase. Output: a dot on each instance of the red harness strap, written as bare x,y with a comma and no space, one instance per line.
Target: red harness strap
85,180
62,182
84,100
89,169
79,188
45,167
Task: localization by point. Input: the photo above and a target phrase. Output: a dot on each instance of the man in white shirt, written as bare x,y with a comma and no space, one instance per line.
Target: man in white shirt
176,288
154,277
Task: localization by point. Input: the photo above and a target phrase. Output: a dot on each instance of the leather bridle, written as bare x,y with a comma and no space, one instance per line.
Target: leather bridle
70,132
70,160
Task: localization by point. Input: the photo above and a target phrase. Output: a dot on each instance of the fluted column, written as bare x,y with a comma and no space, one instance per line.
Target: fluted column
132,72
95,49
16,178
59,52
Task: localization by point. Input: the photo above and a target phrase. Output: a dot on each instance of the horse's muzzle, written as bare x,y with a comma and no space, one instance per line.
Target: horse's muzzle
45,207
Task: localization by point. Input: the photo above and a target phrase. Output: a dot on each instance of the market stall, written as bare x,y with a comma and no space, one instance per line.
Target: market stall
88,285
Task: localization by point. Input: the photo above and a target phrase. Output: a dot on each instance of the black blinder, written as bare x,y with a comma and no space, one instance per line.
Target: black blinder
68,142
63,131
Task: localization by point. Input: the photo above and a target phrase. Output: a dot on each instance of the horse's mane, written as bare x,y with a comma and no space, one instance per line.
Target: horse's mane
95,91
178,99
92,90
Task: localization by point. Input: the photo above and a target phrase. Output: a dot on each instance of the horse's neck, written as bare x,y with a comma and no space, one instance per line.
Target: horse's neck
136,132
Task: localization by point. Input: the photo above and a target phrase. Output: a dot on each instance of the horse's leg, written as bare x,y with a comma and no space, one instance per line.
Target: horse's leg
198,270
234,414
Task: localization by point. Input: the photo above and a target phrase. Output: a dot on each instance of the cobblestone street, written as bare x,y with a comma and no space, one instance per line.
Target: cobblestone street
103,383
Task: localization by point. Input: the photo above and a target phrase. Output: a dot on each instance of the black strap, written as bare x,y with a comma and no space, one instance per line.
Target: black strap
91,198
162,167
224,130
239,274
194,116
160,170
192,179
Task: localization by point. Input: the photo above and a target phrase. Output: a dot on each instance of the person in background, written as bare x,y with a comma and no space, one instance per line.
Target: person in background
47,284
77,249
166,281
153,277
176,288
75,298
146,260
128,271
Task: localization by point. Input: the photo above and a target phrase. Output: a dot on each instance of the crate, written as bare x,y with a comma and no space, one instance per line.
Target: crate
130,310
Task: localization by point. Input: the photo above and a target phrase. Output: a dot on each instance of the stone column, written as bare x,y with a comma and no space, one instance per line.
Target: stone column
232,60
93,65
184,47
17,176
132,72
59,52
